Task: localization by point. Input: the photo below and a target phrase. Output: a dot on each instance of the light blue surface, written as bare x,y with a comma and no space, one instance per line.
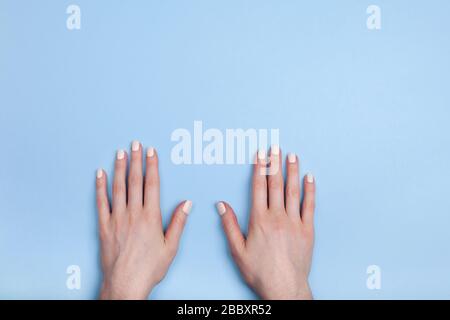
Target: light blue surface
367,111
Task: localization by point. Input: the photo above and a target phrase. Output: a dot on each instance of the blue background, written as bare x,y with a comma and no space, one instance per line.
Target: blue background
367,112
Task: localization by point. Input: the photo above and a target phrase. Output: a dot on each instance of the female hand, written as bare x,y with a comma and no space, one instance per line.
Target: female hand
275,258
135,251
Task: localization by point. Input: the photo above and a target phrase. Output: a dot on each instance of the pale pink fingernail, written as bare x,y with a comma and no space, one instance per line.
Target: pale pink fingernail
309,178
221,208
150,152
135,145
292,158
120,154
187,206
99,173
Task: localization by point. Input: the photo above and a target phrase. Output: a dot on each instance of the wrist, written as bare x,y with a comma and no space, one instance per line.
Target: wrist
117,292
304,292
301,291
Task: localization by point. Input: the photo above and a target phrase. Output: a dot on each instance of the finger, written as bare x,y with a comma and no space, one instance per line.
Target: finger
275,179
119,184
232,230
102,198
176,226
135,179
259,200
292,187
151,189
308,206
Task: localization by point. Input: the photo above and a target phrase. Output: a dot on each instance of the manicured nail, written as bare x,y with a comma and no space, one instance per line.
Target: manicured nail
292,158
99,173
221,208
120,154
309,178
187,206
261,155
135,146
275,150
150,152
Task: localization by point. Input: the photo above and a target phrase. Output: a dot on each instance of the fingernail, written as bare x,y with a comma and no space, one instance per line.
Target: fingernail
99,173
120,154
309,178
135,145
261,154
292,157
221,208
187,206
150,152
275,150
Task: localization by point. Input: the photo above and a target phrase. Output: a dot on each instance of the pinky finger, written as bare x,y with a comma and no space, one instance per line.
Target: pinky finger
103,208
309,199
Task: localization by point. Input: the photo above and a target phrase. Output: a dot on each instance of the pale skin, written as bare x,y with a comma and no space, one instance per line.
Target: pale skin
135,251
275,257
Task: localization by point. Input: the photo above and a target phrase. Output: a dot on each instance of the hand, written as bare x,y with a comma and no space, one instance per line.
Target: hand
135,252
275,259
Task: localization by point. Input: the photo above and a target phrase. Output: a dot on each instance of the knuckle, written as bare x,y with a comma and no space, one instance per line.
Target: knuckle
275,183
118,188
310,204
178,218
135,179
100,202
227,222
99,184
172,249
259,183
310,188
292,191
151,181
120,166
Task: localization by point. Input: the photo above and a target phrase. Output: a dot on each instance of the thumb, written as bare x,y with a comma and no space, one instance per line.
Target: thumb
176,226
231,227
